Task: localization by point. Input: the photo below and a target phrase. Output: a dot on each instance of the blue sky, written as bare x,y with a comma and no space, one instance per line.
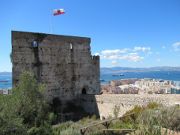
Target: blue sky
128,33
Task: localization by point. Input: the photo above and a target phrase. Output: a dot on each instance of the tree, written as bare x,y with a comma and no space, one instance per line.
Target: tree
30,100
25,109
10,123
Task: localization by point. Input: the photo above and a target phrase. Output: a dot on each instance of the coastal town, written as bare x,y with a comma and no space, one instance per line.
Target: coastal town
140,86
5,91
132,86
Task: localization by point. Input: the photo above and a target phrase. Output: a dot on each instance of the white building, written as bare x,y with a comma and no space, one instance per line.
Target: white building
154,85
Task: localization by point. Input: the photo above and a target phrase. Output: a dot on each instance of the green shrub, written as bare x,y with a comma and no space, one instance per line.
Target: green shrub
12,126
170,117
151,121
148,122
25,108
133,114
121,125
28,97
42,130
66,128
70,131
116,111
152,105
93,117
52,118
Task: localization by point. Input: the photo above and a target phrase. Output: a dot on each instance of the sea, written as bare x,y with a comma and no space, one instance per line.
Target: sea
6,79
164,75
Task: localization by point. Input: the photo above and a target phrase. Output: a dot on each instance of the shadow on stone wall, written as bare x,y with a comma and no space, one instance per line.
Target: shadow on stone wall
76,109
89,104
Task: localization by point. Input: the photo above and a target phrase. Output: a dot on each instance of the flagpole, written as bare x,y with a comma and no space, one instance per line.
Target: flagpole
50,24
55,12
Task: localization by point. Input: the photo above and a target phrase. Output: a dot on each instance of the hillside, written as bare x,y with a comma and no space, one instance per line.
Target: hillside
105,70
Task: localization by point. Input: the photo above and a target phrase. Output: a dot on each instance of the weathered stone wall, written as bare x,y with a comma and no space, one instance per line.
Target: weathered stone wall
104,104
63,63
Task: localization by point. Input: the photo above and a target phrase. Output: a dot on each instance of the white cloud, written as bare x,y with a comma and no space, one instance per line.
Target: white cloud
96,54
110,57
114,63
129,54
141,49
176,46
132,57
114,52
163,47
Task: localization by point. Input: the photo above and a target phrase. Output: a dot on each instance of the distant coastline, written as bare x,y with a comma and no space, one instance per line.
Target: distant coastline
106,70
164,73
108,74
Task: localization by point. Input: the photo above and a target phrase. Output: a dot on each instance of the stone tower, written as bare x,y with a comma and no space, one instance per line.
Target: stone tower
63,63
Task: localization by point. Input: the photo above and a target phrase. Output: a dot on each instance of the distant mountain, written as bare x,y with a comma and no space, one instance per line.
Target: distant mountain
105,70
111,70
5,73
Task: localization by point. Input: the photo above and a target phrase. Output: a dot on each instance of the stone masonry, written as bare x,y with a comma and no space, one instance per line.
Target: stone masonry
63,63
103,105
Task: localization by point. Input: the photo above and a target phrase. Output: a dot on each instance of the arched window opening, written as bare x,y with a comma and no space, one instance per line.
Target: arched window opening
84,91
34,44
56,102
71,47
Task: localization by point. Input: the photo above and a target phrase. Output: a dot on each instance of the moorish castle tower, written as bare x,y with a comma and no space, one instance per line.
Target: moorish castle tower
63,63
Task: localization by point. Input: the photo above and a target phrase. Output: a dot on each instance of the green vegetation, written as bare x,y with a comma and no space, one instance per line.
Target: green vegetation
26,112
146,120
150,119
116,111
73,128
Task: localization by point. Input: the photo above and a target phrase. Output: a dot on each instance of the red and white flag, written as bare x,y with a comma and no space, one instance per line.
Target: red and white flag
58,11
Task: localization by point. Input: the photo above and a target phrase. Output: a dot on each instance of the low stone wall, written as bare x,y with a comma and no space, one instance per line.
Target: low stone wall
104,104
